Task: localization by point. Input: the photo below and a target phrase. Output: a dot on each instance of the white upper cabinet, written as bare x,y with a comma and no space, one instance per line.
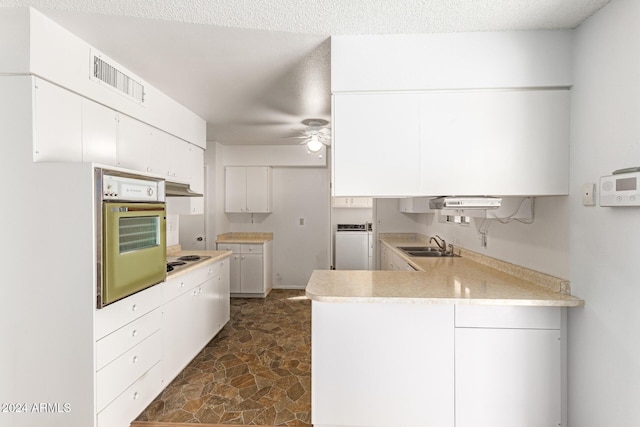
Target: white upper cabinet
376,148
501,142
57,124
99,133
247,189
134,140
489,142
415,205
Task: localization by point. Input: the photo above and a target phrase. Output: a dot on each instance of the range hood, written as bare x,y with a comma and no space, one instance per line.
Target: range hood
178,189
466,202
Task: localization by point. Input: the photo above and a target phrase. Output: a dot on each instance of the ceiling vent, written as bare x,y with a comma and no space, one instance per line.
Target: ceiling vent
106,71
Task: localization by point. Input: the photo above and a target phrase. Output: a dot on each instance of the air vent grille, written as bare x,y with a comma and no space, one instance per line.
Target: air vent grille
109,74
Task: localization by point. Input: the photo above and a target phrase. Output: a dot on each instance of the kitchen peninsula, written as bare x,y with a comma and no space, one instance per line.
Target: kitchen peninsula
464,341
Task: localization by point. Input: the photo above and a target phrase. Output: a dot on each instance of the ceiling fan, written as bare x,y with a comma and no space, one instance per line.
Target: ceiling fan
315,135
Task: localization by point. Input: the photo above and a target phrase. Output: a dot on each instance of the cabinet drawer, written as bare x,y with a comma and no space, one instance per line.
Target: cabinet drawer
176,286
122,411
514,317
127,337
118,314
114,378
247,248
234,247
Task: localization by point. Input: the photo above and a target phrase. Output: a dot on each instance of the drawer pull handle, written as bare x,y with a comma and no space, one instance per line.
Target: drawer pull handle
134,333
135,359
182,284
136,395
134,307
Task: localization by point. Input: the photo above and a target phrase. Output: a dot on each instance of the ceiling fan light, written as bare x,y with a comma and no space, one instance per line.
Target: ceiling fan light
314,145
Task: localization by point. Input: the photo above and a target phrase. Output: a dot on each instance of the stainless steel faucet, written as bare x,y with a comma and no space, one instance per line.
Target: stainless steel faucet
442,244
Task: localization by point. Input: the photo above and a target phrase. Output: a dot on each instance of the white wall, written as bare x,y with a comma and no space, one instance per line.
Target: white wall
604,343
298,191
297,249
542,246
389,219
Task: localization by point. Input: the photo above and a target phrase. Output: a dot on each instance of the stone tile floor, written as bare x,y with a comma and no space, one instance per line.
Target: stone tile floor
256,371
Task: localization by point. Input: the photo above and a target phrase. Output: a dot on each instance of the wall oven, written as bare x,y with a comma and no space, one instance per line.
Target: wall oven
131,234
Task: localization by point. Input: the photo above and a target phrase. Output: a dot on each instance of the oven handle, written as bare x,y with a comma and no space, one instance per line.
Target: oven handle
138,209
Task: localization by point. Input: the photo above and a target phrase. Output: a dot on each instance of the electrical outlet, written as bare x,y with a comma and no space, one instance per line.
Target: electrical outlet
589,194
301,221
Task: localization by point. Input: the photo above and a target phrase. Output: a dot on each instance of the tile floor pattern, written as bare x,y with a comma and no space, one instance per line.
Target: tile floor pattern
256,371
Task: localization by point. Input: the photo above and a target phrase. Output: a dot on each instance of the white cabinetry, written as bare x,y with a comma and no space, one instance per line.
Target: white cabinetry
99,133
415,205
247,189
397,373
250,268
498,142
352,202
511,142
196,309
57,124
128,356
376,148
390,260
135,140
508,366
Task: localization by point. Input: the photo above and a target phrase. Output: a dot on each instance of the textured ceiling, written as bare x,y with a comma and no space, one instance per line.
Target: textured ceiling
254,69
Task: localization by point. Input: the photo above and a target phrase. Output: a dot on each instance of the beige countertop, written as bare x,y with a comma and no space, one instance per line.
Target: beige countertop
176,251
469,279
244,237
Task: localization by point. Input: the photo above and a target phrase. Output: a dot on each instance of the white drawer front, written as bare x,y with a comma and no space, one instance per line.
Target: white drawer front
176,286
116,315
517,317
122,411
233,247
251,249
127,337
114,378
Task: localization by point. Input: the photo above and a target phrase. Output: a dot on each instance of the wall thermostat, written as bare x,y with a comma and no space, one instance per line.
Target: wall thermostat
620,190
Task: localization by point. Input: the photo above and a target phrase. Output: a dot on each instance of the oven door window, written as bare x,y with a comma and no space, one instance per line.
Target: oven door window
138,233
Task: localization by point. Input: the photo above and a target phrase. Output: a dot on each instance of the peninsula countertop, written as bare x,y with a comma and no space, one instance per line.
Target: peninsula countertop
451,280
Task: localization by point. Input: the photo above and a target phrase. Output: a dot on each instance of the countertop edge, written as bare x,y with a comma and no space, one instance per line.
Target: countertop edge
443,301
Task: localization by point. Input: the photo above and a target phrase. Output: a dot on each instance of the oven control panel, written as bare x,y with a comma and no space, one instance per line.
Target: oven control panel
132,189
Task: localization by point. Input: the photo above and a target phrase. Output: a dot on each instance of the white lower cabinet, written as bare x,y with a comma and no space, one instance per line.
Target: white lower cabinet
128,355
391,364
146,339
196,309
389,260
250,269
508,366
382,365
126,407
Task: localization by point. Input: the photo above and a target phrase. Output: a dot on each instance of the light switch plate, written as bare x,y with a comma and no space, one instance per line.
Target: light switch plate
589,194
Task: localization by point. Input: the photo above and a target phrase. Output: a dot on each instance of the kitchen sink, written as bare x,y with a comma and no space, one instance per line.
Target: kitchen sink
426,251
